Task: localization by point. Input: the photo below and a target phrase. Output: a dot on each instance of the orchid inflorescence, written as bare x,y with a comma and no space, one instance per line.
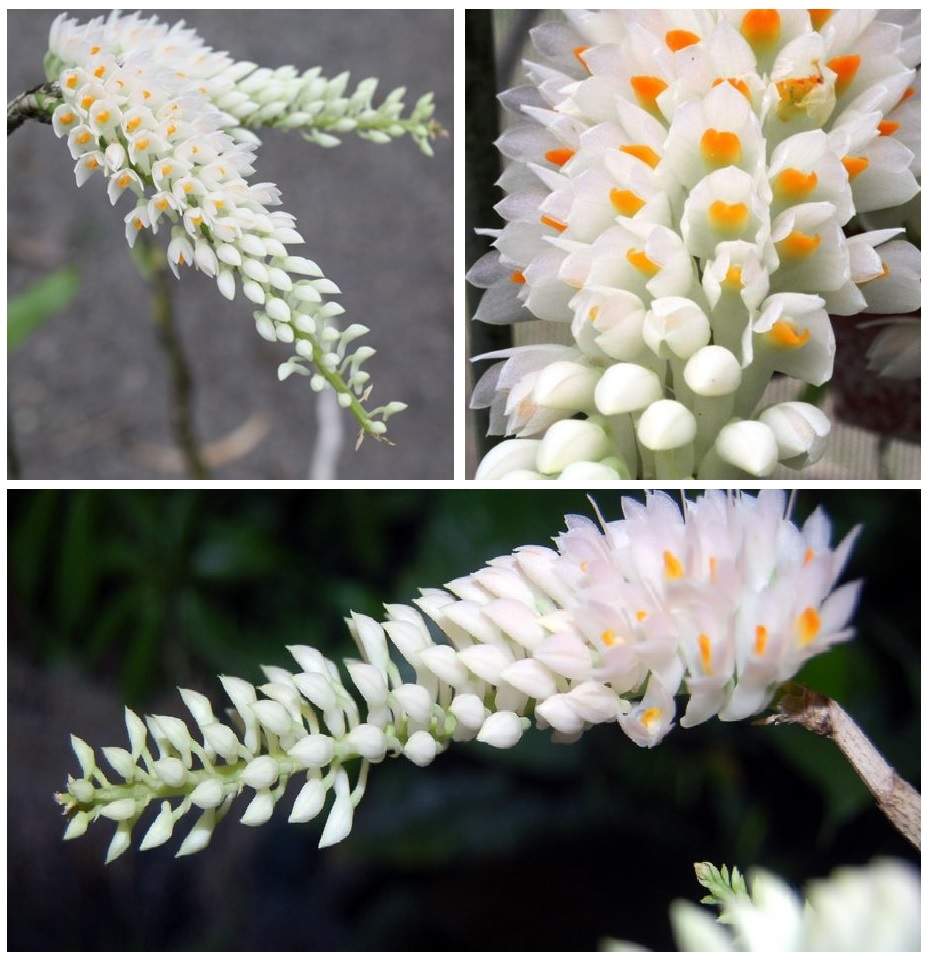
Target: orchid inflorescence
687,193
720,602
168,119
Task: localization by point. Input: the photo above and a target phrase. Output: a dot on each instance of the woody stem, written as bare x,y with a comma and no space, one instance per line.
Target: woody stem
35,104
897,798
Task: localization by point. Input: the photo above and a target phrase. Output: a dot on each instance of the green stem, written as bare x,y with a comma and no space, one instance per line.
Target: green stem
334,379
14,468
155,269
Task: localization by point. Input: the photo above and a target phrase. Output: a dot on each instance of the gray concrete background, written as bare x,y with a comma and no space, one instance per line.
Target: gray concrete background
87,391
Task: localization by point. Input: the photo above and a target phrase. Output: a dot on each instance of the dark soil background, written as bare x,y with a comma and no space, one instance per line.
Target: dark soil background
118,597
87,391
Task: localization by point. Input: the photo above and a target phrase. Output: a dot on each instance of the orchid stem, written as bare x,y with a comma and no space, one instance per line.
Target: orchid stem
32,105
155,268
897,798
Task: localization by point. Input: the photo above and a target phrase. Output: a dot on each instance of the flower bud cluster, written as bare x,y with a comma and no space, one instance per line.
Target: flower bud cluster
323,109
681,193
164,119
719,603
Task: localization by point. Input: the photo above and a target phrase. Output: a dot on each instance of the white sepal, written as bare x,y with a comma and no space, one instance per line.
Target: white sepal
420,748
502,730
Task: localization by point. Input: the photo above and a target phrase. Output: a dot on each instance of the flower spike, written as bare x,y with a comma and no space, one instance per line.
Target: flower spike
168,122
716,602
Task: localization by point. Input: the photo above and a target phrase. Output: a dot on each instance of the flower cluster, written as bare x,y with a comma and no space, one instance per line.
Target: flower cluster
721,603
681,194
164,119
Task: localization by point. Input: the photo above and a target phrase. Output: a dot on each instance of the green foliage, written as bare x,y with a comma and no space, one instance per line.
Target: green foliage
29,310
722,885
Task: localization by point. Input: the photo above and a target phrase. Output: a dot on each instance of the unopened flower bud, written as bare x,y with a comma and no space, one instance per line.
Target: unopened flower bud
748,445
369,681
625,388
666,425
485,660
259,811
557,711
504,457
586,473
502,730
569,440
170,770
531,678
420,748
208,794
273,716
339,822
309,802
260,773
161,829
565,385
314,750
712,372
368,741
119,809
416,701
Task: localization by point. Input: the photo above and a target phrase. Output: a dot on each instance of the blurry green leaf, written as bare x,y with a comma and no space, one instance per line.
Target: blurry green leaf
41,301
31,520
231,551
77,562
115,619
142,646
214,636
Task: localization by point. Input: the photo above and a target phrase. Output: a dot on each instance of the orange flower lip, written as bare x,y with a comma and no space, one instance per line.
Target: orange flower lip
760,28
647,89
642,152
626,202
680,39
787,335
795,184
639,259
846,68
798,245
560,155
728,217
720,148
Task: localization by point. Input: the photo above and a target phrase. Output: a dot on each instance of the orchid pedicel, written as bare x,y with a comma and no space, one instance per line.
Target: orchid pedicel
717,602
169,122
691,193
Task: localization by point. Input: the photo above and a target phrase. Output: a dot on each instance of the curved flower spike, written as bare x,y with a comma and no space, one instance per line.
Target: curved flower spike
167,120
717,604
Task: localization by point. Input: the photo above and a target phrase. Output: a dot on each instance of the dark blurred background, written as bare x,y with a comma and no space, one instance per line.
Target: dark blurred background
88,388
120,596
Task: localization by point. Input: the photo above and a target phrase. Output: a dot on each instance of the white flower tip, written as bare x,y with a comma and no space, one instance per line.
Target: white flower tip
569,440
712,371
625,388
666,425
748,445
502,730
801,431
505,457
